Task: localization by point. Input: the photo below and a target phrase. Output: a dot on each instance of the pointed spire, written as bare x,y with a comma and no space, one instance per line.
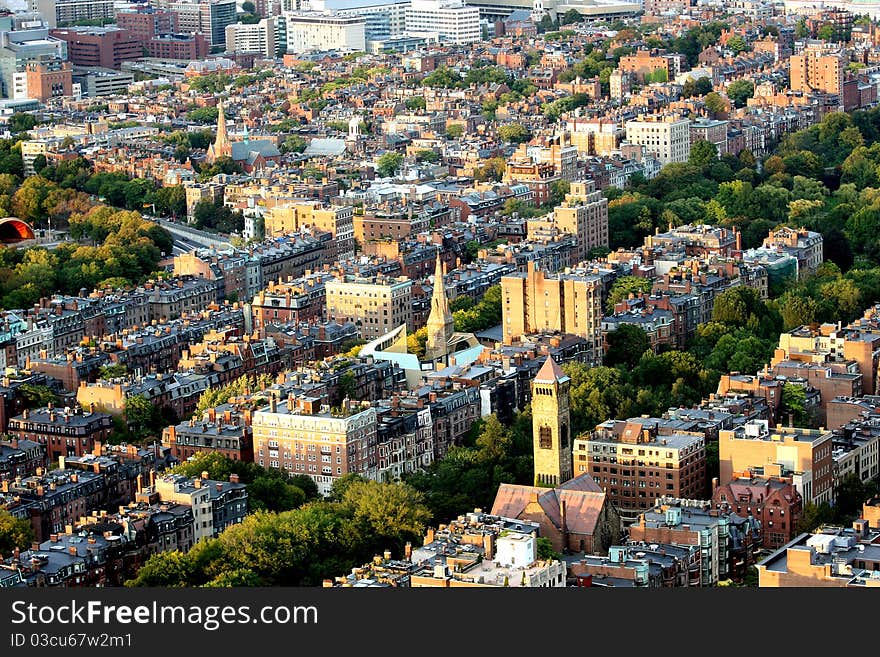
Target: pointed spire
550,372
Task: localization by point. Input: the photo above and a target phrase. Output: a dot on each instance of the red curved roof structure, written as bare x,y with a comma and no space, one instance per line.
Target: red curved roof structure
14,230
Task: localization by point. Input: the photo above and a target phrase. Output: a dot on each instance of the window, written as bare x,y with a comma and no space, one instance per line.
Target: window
545,438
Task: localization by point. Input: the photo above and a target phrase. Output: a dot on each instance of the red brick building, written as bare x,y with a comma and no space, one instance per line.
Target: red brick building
178,46
67,432
106,47
773,500
145,24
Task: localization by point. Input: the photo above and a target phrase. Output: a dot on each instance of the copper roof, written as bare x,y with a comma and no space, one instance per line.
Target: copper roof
582,496
550,372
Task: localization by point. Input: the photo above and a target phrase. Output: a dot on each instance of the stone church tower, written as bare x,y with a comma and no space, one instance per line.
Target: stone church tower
551,426
221,146
440,324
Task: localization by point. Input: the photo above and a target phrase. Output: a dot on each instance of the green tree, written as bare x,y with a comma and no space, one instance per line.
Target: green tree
794,405
737,44
455,131
827,33
623,287
715,104
389,163
427,155
626,345
142,416
14,533
703,153
37,396
515,133
248,7
740,91
415,103
273,493
558,190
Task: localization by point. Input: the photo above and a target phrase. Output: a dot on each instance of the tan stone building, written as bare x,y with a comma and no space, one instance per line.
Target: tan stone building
534,302
376,305
300,436
293,217
818,70
583,214
805,452
551,425
833,557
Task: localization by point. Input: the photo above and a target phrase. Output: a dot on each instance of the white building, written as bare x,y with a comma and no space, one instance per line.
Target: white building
255,37
385,19
667,137
65,11
322,31
452,20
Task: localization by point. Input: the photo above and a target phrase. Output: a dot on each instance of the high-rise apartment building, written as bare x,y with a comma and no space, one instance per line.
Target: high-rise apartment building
583,214
252,38
667,137
455,22
377,305
817,69
59,12
210,17
302,437
534,302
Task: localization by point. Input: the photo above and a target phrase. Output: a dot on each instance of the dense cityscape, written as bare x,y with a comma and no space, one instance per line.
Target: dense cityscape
440,293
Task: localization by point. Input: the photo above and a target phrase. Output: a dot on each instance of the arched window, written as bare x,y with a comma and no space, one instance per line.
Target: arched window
545,438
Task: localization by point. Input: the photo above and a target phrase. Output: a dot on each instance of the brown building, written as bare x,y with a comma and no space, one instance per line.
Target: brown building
726,542
105,47
49,79
295,301
583,214
300,437
638,461
534,302
773,500
67,432
21,458
227,433
805,452
178,46
818,70
576,516
646,62
144,25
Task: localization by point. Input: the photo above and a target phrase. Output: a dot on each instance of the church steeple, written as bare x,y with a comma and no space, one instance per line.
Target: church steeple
221,146
441,324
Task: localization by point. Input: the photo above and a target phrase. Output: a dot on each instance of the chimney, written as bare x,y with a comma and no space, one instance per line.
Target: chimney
152,478
140,483
233,478
407,551
204,474
429,536
714,484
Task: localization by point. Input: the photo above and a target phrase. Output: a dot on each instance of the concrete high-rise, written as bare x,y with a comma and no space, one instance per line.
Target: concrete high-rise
535,302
